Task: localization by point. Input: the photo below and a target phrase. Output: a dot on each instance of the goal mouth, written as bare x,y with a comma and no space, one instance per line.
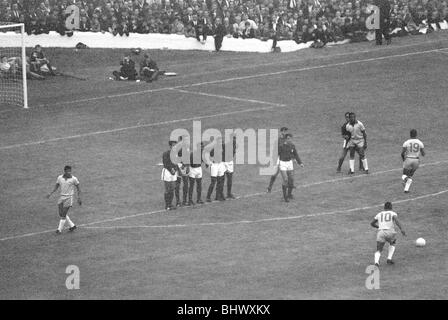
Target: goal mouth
13,67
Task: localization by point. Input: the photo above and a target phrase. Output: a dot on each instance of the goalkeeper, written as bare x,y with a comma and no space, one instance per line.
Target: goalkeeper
127,70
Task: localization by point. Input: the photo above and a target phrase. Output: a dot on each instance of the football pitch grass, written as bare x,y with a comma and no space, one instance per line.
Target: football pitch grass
318,246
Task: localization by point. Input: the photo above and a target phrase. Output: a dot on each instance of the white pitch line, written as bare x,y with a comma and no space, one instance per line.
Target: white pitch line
229,97
241,197
243,77
272,219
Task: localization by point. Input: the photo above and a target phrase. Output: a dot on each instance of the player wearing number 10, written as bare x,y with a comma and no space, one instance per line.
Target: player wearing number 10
411,152
385,221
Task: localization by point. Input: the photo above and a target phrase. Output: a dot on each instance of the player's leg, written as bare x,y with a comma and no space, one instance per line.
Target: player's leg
380,241
199,191
213,179
290,174
62,215
362,156
184,190
390,254
167,195
273,177
190,190
71,225
379,249
229,176
210,188
220,182
342,157
412,167
352,160
285,183
177,191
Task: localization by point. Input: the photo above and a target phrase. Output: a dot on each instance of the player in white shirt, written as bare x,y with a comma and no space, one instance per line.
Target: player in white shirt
68,183
411,152
385,221
358,142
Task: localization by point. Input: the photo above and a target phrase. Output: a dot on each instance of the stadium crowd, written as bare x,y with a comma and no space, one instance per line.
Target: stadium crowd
299,20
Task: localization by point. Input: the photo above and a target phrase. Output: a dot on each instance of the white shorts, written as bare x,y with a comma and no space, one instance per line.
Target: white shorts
195,173
411,164
228,166
167,176
217,169
356,143
286,165
386,236
67,201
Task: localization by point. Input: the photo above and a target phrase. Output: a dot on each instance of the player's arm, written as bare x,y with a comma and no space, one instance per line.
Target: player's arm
364,134
422,151
56,186
296,156
78,189
403,153
399,226
374,223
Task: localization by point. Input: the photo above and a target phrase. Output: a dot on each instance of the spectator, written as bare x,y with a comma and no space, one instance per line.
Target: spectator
175,16
149,71
39,63
248,32
127,70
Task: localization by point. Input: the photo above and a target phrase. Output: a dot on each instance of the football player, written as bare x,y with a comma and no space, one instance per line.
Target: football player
195,176
385,221
182,177
217,170
287,152
358,142
68,183
346,136
229,165
412,150
281,139
169,176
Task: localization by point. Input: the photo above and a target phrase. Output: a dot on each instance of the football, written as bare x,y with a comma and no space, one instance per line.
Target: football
420,242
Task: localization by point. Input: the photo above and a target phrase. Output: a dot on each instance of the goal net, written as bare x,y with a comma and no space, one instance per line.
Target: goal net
13,85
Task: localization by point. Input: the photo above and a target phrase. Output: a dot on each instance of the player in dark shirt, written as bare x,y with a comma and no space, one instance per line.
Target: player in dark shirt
346,136
169,176
281,139
195,175
217,171
182,177
287,153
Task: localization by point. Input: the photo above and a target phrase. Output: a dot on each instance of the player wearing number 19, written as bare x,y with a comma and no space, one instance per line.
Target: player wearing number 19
411,152
385,221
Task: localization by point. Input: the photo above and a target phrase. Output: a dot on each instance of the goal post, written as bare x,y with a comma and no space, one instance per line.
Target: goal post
13,65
